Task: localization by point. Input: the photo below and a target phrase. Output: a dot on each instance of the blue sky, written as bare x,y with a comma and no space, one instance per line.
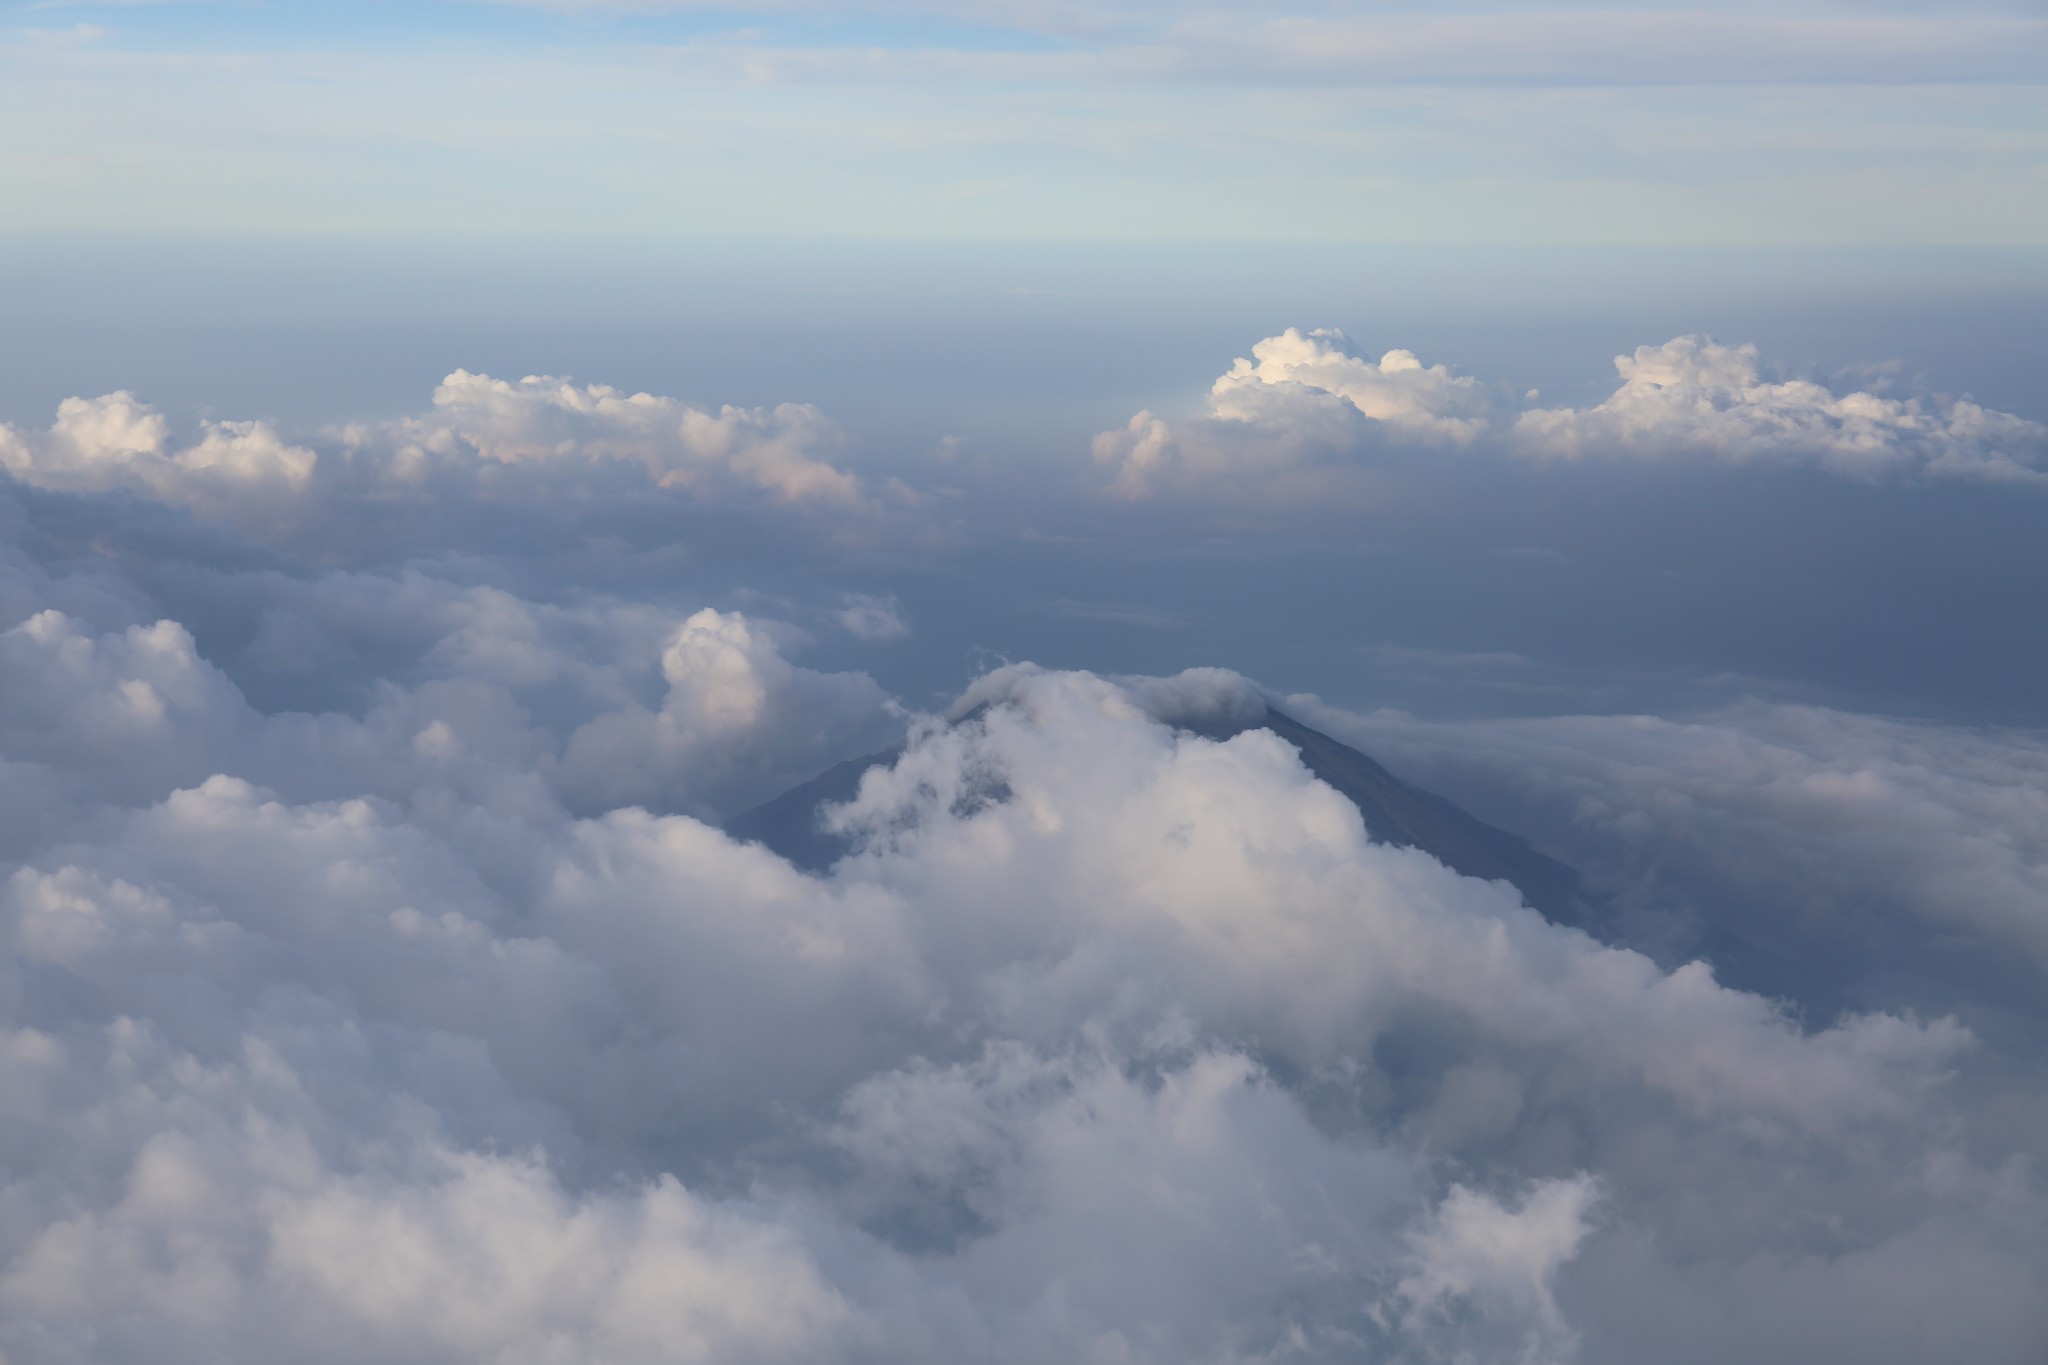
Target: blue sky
1816,123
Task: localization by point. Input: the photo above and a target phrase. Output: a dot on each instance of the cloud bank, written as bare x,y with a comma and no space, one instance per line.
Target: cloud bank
1143,1052
483,438
1789,823
1305,413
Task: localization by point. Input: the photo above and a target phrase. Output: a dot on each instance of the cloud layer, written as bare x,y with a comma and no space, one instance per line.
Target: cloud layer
1786,824
1112,1042
376,981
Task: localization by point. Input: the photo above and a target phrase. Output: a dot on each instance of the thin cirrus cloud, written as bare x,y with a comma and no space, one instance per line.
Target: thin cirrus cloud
1510,44
1623,123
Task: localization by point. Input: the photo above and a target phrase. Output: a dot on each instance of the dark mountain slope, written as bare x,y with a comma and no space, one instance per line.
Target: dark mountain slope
1406,816
790,824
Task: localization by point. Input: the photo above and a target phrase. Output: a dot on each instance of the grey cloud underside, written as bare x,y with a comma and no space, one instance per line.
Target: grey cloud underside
376,982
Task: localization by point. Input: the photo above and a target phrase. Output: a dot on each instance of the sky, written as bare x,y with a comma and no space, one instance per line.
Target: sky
455,456
1815,122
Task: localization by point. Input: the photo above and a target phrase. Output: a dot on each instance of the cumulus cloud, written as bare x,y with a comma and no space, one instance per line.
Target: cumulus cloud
1693,396
735,716
1474,1247
541,429
1302,399
127,714
780,451
1290,421
114,441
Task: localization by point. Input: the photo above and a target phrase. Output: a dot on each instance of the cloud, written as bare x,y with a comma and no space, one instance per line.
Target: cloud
739,725
866,616
1305,418
374,984
1695,397
482,438
1823,838
1476,1248
777,451
1305,44
115,441
131,714
1046,1071
1647,45
1302,399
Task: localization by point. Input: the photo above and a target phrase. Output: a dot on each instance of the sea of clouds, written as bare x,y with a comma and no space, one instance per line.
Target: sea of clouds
376,982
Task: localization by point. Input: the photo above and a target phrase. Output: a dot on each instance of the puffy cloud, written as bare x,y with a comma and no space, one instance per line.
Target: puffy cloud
1351,937
1114,1042
482,437
739,724
230,1214
1301,400
114,441
1288,423
1474,1247
1694,396
503,698
779,451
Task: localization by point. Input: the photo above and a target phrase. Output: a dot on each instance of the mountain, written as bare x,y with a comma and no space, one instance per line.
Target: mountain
1395,812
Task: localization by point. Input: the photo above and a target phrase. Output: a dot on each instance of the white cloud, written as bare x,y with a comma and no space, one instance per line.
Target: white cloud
382,1030
1304,419
114,441
1301,400
739,724
548,430
129,715
1695,397
779,451
235,1219
1475,1248
457,1077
